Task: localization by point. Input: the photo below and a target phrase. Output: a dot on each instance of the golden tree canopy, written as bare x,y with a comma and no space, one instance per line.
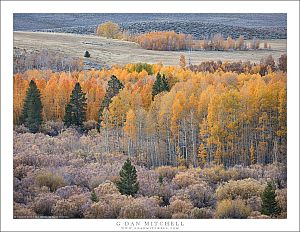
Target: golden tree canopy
108,30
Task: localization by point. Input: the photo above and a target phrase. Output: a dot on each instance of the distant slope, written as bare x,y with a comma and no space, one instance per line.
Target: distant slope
108,52
263,26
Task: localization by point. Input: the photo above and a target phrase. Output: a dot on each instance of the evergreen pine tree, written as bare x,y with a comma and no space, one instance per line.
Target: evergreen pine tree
165,85
87,54
31,115
160,85
269,204
75,112
114,87
94,197
160,179
156,89
128,184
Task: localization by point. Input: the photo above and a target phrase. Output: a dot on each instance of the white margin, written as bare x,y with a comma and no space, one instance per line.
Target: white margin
10,7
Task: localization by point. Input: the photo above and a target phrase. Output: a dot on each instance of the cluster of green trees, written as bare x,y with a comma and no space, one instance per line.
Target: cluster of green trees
160,85
31,115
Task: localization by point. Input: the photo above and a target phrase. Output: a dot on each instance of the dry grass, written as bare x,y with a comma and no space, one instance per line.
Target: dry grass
107,51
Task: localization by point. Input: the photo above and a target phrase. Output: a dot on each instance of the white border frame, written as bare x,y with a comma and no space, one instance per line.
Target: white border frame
10,7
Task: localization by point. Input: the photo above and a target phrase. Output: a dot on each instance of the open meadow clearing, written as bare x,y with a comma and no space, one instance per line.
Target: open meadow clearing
109,51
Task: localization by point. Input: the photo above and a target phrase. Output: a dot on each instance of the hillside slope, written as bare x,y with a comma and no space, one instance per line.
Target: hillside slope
108,52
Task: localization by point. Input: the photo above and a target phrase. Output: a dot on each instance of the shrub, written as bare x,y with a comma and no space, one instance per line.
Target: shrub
52,128
44,203
22,170
105,189
50,180
276,173
18,197
180,195
141,207
70,133
240,189
95,181
74,207
203,213
115,202
201,195
134,211
22,211
93,133
232,209
216,174
21,129
254,171
109,206
181,206
281,197
282,215
67,191
184,179
89,125
168,172
257,215
97,210
148,182
163,213
180,216
254,203
166,192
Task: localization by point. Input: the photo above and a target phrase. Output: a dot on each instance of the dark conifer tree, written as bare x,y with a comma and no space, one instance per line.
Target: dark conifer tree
75,113
87,54
160,85
128,183
94,197
165,84
156,89
269,204
31,115
113,88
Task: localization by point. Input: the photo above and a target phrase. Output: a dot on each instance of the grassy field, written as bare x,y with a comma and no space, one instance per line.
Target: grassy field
108,52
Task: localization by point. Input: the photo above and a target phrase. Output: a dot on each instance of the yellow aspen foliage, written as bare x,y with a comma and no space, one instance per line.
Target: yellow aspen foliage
177,110
118,108
182,61
20,88
282,109
108,30
192,103
218,156
252,154
130,124
105,119
181,162
202,154
213,107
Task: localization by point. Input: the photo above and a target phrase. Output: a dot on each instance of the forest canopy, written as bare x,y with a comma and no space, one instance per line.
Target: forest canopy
219,116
